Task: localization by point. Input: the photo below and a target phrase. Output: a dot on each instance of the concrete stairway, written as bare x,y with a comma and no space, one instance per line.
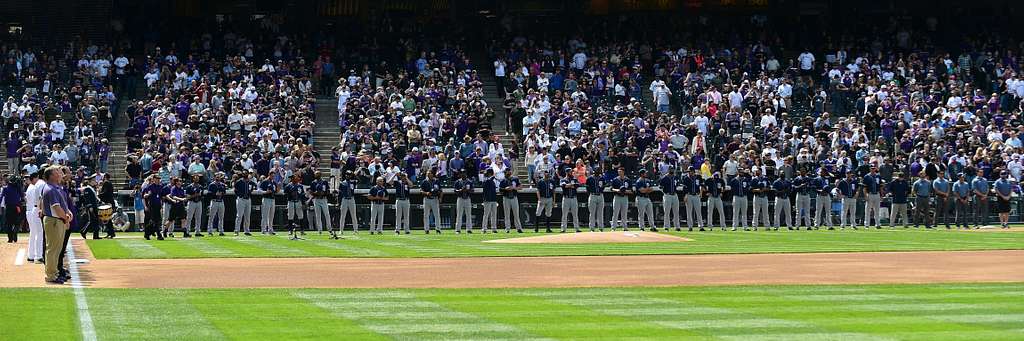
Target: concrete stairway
327,134
499,124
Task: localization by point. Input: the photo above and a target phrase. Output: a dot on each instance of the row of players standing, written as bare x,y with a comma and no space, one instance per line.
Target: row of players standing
960,200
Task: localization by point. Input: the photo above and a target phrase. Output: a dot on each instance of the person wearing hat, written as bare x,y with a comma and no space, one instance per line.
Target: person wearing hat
759,187
152,194
430,187
670,200
295,194
623,188
463,203
320,190
643,189
739,186
217,190
267,189
715,187
490,193
175,194
962,200
872,185
899,190
347,202
848,190
595,201
782,187
545,200
821,193
14,211
35,222
980,188
570,205
803,188
922,190
940,187
1003,190
693,184
402,218
510,187
243,204
377,195
194,208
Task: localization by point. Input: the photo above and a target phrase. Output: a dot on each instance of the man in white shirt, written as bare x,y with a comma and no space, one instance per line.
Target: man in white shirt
152,77
785,91
35,223
57,128
806,60
499,74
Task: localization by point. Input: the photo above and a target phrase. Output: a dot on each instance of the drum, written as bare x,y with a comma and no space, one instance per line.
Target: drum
104,212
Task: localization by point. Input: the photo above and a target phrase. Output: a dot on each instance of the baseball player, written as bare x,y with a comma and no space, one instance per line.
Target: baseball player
432,194
545,201
670,200
623,188
243,206
194,208
642,188
782,187
760,187
822,196
216,190
715,186
266,190
377,196
296,195
803,188
569,203
848,190
402,217
694,186
871,184
490,188
320,190
347,203
740,187
595,201
899,189
510,202
464,203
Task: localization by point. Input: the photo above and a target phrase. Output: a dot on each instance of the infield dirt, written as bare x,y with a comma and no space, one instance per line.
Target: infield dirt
522,272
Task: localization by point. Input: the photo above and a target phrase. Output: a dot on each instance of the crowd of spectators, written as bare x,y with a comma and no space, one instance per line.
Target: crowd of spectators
726,100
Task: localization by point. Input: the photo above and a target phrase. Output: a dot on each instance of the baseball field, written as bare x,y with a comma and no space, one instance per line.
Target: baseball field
900,284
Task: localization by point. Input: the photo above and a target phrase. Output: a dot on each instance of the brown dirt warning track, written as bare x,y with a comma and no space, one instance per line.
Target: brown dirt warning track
501,272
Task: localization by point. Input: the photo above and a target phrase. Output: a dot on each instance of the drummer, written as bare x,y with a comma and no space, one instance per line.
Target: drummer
89,204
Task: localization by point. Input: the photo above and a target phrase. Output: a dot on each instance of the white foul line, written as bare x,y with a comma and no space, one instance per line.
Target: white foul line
19,259
84,318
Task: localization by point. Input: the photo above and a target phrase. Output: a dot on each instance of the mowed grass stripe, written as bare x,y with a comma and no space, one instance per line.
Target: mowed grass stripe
716,321
991,313
402,316
120,315
864,317
451,245
38,314
273,315
542,316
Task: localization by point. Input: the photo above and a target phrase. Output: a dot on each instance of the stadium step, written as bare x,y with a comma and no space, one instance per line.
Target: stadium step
327,133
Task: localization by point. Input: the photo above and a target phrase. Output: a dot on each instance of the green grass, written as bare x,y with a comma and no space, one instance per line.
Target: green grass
863,312
452,245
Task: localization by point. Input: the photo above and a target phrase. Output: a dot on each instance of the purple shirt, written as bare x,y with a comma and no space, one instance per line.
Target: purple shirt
54,195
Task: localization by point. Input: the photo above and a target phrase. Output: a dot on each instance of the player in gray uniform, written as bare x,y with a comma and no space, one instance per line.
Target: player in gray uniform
760,187
595,201
347,203
622,187
402,218
545,201
694,186
569,204
715,187
377,196
802,187
490,193
320,190
644,208
266,190
463,203
510,201
670,200
740,189
431,190
822,195
194,208
216,190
